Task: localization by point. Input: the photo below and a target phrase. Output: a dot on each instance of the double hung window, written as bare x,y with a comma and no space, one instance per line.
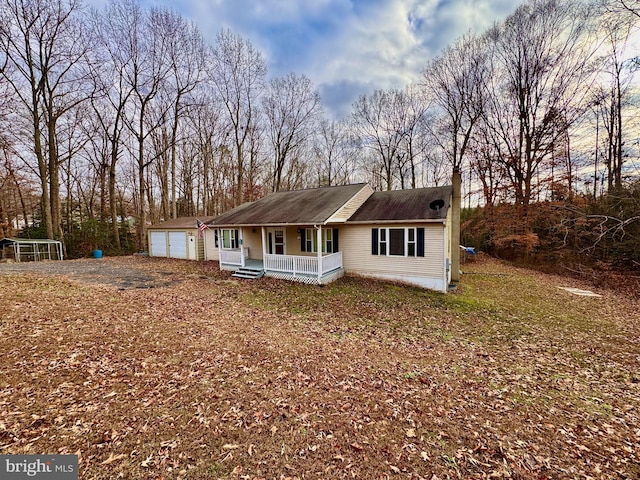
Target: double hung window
397,242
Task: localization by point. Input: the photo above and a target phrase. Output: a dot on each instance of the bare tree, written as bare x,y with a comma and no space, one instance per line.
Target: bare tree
613,98
541,61
238,73
416,143
113,60
334,154
291,106
630,6
147,69
186,55
208,133
379,121
42,44
455,82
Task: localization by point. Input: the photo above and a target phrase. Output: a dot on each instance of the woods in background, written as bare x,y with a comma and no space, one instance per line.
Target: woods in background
116,118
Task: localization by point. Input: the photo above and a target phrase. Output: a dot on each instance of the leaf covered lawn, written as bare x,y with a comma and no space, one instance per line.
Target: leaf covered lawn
207,378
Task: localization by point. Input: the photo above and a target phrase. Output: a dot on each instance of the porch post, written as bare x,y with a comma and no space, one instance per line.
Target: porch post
319,243
264,244
241,242
218,233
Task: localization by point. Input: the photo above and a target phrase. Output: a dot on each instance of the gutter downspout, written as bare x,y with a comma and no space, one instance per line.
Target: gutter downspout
446,277
455,225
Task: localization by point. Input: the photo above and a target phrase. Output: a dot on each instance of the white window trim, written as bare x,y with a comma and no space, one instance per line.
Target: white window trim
311,239
326,233
387,241
232,239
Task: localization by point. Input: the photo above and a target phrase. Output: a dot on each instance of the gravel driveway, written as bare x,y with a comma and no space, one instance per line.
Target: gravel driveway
122,272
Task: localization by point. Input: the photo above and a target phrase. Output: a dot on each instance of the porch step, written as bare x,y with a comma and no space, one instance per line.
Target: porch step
248,272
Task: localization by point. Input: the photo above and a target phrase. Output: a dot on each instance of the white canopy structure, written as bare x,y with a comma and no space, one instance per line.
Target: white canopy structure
31,249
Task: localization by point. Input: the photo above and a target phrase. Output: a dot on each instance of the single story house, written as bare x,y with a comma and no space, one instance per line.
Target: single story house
318,235
177,238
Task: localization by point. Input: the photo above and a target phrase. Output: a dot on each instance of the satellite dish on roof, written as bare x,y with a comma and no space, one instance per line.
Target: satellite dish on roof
436,204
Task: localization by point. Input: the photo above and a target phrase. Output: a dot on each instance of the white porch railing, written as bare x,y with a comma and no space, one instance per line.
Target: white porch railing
291,264
304,265
234,256
331,262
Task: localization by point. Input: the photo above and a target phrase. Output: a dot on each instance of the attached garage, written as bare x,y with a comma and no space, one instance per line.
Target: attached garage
177,238
157,243
178,244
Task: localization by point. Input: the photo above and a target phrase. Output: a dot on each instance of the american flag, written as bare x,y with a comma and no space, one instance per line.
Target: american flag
201,227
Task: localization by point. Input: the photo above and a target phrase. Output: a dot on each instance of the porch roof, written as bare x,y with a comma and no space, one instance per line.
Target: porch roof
297,207
405,205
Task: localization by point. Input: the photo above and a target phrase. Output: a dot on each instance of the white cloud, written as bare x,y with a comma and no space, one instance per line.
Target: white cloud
345,45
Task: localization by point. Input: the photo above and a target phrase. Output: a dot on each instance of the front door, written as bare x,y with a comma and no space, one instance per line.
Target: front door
191,244
277,241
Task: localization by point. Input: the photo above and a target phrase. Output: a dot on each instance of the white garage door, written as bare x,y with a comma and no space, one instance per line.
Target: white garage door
177,245
158,244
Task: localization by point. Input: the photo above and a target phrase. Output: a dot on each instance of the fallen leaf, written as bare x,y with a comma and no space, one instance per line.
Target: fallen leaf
113,458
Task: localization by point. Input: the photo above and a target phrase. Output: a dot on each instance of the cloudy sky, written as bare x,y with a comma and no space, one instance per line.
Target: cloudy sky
346,47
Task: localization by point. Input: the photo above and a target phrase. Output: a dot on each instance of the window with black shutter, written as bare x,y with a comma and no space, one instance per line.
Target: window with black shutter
397,242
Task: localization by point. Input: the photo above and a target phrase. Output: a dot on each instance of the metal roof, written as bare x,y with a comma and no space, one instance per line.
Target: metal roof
405,205
11,241
183,223
296,207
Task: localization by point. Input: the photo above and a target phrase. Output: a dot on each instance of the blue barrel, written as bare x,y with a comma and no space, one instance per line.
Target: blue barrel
97,254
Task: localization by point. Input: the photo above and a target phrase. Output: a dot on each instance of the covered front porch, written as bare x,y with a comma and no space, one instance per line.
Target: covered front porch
288,252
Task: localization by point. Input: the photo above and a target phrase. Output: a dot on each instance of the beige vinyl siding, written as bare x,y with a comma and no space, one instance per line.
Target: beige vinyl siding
253,241
211,251
293,241
355,245
349,208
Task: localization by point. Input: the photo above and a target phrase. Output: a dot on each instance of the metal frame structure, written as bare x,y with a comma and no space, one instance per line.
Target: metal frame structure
32,249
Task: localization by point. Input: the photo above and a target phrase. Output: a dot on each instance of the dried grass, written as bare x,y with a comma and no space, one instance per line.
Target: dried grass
203,377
